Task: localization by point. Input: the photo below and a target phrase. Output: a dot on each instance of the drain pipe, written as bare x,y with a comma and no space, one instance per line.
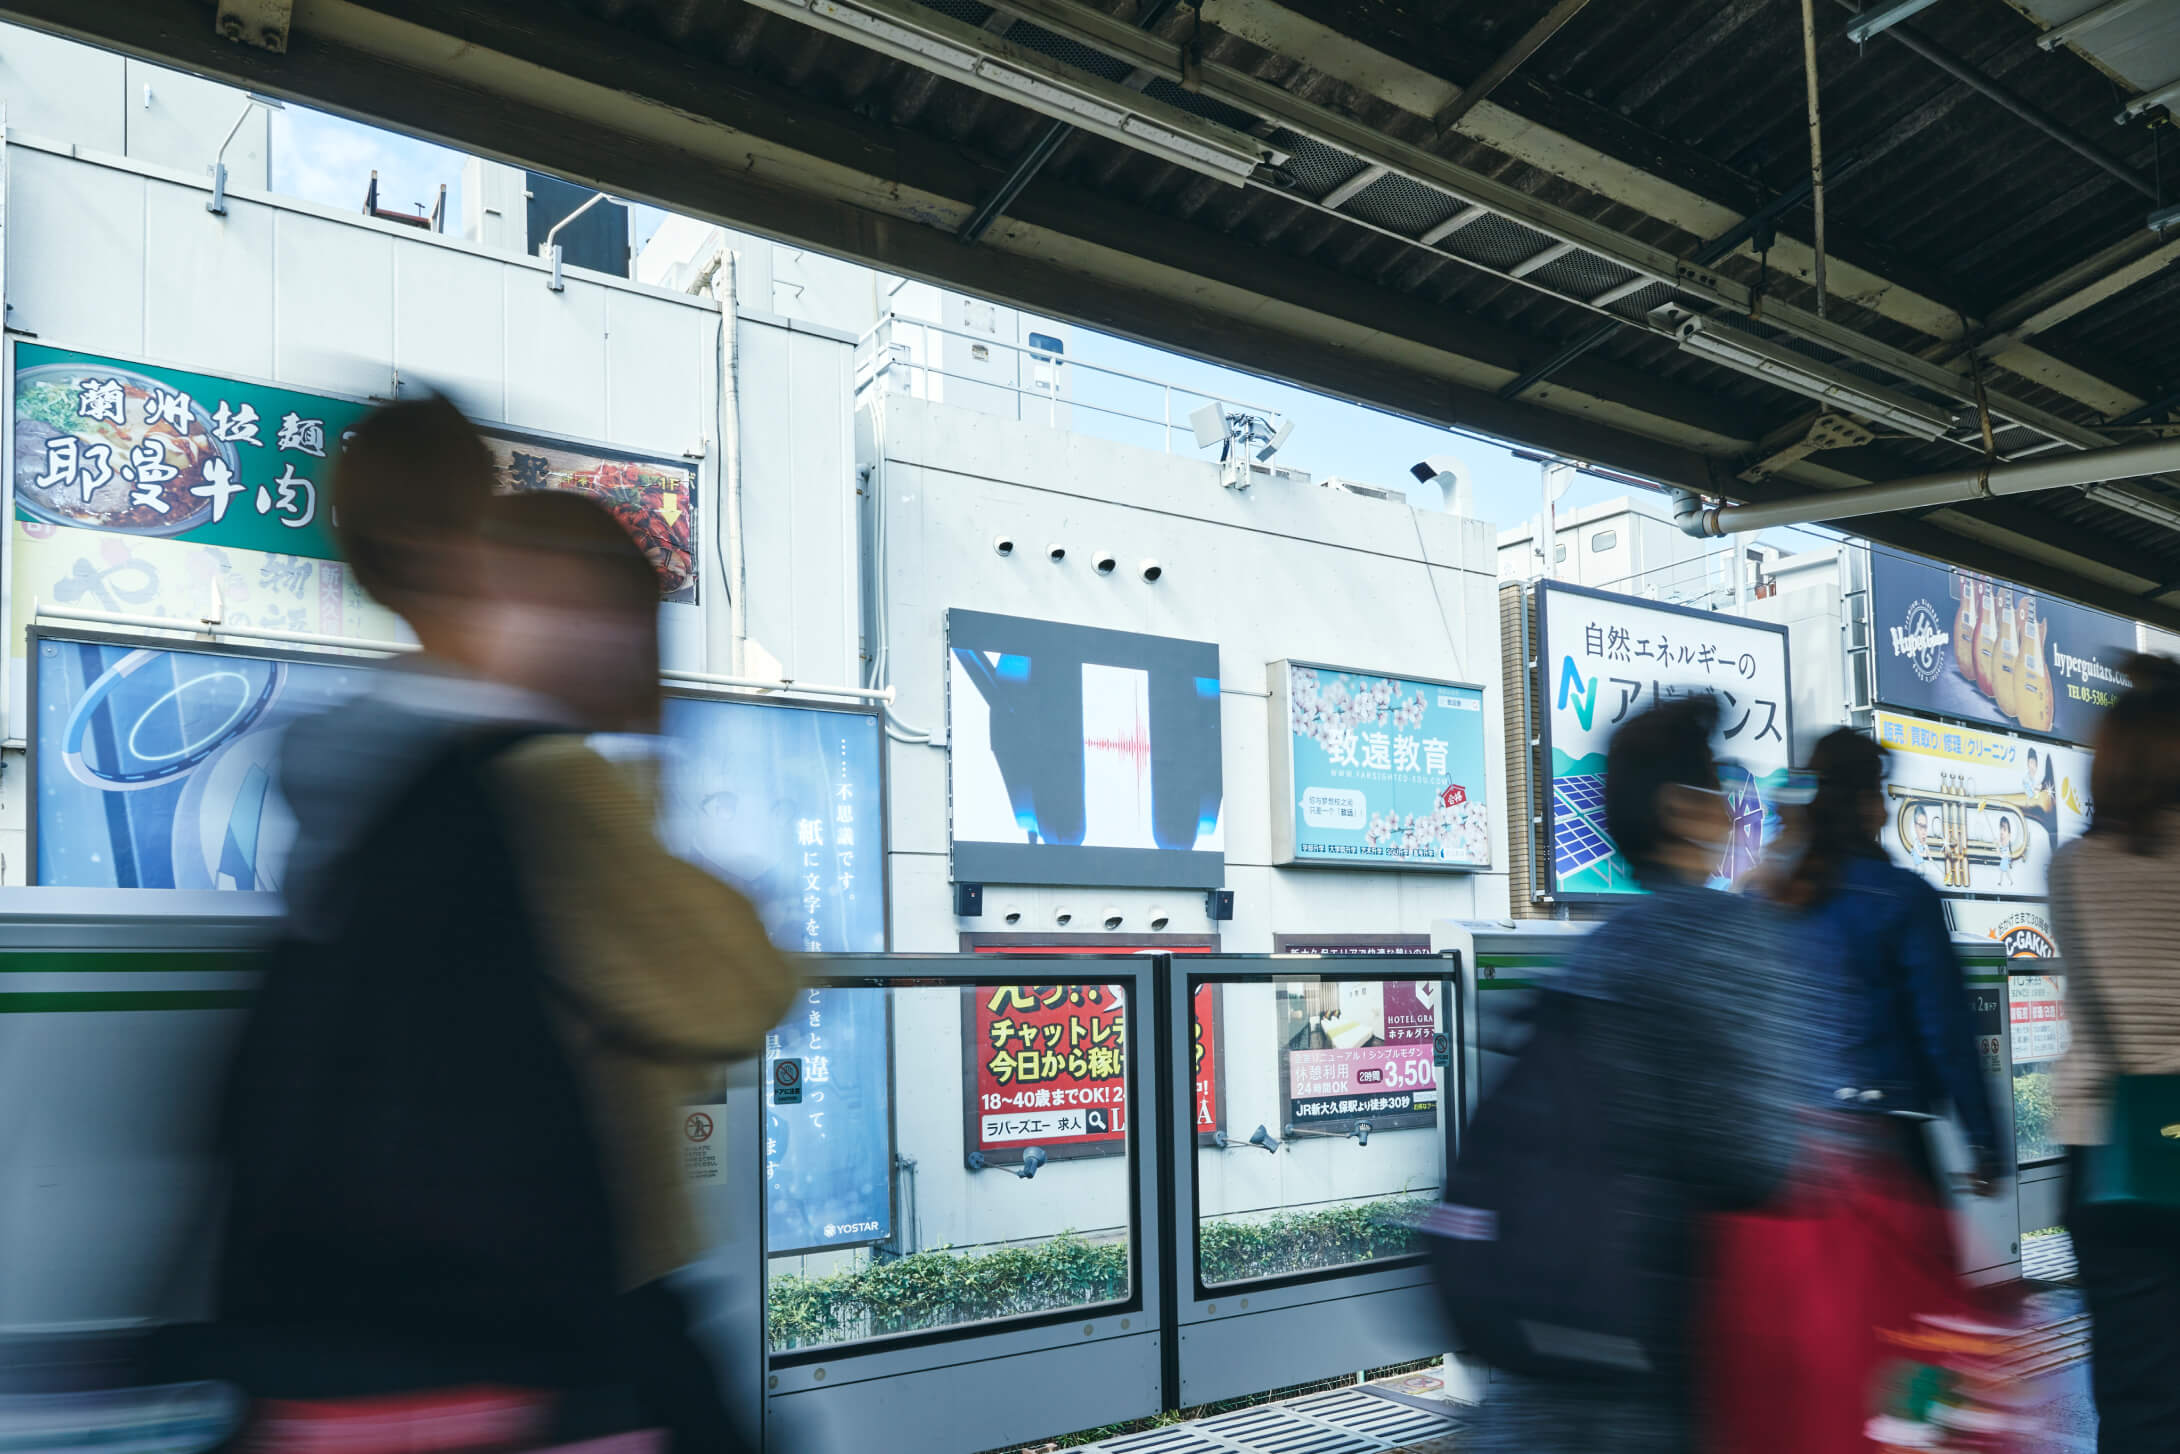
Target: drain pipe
1816,152
2017,477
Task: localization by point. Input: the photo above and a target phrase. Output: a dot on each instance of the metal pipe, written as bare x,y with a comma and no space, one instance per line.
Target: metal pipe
207,627
1532,806
2082,24
2020,477
551,249
1816,146
41,610
727,288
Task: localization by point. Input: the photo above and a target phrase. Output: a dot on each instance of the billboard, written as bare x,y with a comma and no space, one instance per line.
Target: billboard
140,449
829,1157
1045,1065
156,453
1082,756
1954,644
786,803
1979,813
1354,1051
1377,772
1603,658
158,768
2022,931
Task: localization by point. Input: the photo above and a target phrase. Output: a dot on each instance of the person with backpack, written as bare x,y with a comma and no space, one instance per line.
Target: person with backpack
2114,905
449,1122
1660,1085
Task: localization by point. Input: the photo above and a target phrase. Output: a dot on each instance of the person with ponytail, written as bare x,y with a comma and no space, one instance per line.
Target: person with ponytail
1875,936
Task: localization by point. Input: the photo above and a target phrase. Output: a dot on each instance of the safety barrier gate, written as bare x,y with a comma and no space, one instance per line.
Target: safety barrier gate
1058,1194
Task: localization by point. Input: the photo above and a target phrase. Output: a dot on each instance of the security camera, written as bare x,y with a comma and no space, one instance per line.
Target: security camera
1056,553
1105,563
1152,570
1450,474
1002,546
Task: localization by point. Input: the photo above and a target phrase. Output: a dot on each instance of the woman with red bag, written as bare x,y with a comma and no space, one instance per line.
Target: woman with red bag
1811,1295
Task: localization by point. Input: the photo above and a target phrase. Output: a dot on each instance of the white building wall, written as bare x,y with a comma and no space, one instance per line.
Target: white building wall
1280,571
111,255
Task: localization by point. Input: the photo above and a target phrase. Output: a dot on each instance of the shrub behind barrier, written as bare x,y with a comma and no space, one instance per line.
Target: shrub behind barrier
942,1288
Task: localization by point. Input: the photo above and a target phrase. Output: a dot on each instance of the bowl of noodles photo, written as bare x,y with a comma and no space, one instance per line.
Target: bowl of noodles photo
102,493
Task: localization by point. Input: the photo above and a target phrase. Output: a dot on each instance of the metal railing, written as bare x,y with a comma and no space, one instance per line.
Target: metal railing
910,356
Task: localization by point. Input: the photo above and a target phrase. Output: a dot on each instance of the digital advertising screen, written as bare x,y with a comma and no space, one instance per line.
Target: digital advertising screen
1603,658
1377,772
1083,756
159,768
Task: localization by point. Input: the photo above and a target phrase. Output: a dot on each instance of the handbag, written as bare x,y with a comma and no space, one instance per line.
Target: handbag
2138,1166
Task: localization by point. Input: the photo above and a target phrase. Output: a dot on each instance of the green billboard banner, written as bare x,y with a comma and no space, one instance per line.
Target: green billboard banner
140,449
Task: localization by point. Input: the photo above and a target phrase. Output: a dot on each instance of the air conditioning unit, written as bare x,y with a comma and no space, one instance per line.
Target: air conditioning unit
1374,492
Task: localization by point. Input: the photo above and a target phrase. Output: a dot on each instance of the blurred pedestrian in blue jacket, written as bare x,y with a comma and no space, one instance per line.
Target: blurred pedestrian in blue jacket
1874,941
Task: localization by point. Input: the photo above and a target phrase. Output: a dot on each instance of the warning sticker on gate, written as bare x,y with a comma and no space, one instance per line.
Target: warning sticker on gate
700,1130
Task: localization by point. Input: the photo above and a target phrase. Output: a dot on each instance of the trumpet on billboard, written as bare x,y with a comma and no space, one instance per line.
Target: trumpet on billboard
1955,825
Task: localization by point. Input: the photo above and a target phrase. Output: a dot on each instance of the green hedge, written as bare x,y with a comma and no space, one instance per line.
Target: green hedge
942,1287
2033,1112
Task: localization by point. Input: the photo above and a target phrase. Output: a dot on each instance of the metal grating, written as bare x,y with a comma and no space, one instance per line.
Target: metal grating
1176,1439
1273,1430
1364,1412
1315,167
1068,52
1407,207
1198,104
1581,275
1496,243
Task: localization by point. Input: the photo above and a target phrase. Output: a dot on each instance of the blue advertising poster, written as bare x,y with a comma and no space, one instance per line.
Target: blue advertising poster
784,802
158,769
829,1157
1377,771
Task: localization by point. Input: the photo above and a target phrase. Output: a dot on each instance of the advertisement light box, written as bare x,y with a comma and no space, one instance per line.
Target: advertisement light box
1083,756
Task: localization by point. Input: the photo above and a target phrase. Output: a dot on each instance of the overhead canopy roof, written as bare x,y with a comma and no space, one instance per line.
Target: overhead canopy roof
1471,212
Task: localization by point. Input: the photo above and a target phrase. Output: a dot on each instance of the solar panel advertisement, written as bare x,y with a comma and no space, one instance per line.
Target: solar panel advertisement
1601,659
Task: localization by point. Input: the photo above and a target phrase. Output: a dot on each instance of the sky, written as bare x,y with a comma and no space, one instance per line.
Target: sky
329,160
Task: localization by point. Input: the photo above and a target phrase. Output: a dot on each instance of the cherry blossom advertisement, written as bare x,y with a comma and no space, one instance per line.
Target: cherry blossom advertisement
1357,1052
1377,772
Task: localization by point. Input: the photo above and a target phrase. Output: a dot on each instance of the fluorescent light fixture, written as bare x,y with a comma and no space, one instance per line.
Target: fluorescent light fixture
2165,217
1762,359
2142,507
1884,17
1045,96
974,57
2167,95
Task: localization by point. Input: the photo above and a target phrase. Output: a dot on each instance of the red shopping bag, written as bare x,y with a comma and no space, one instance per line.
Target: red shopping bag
1800,1300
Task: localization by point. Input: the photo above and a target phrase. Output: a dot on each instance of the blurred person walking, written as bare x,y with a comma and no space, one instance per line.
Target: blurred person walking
2115,900
447,1123
1874,940
1665,1043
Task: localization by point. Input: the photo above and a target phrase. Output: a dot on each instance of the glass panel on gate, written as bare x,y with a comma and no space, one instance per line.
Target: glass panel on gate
942,1157
1318,1122
2036,1012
